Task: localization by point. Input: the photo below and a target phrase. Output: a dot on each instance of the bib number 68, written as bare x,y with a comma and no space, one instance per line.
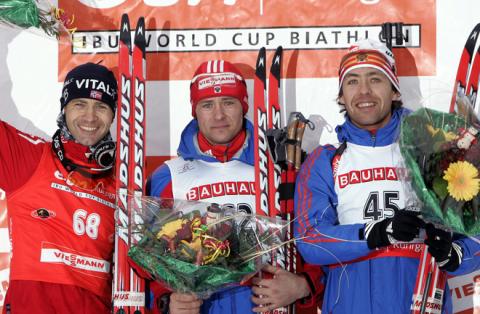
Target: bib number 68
84,223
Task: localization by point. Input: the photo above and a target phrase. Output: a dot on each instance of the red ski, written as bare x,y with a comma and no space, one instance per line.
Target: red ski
274,122
464,75
260,128
128,288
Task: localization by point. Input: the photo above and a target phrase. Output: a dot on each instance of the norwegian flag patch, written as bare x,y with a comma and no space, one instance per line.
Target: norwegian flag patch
95,94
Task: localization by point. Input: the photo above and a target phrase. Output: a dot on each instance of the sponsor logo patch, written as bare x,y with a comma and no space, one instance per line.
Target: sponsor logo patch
43,213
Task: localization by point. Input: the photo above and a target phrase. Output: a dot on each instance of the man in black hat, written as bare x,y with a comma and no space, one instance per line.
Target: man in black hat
61,259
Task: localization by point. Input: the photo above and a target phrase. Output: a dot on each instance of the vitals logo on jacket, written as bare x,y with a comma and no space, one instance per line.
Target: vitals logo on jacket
182,34
43,213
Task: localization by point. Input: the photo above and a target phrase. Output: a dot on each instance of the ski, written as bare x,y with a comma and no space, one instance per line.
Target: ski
462,78
260,139
137,174
274,122
473,80
429,287
274,119
128,288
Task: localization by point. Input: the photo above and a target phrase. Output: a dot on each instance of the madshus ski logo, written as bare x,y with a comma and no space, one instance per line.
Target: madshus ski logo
43,213
242,39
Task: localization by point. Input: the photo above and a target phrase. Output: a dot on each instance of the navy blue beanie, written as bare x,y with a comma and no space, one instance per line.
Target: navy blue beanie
92,81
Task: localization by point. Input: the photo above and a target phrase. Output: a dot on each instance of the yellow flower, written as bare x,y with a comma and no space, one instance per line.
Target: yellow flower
463,182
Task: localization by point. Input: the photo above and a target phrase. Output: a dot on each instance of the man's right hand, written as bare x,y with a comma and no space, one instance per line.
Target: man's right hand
182,303
403,227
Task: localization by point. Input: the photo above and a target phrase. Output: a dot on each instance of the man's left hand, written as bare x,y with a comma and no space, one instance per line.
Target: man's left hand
447,253
282,289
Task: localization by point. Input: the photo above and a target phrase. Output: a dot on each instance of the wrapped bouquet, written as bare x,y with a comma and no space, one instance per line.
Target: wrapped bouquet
442,155
36,13
201,247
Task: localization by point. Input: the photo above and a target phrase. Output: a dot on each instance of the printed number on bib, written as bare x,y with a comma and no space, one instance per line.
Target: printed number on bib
372,209
84,223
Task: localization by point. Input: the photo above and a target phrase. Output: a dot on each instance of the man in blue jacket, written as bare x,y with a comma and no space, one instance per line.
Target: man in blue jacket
350,202
215,164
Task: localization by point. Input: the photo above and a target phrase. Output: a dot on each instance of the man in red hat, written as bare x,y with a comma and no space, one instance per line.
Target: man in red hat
216,147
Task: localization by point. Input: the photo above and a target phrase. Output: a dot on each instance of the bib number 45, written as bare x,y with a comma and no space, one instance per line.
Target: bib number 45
372,209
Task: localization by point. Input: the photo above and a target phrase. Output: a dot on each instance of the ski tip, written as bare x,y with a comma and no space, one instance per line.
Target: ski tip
472,39
260,65
140,34
276,67
125,35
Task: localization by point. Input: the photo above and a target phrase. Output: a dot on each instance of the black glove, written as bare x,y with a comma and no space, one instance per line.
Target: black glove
447,253
403,227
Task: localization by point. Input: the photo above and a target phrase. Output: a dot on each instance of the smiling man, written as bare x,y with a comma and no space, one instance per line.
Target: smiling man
61,202
350,202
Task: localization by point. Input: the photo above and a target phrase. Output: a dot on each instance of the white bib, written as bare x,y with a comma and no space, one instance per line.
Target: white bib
367,183
223,183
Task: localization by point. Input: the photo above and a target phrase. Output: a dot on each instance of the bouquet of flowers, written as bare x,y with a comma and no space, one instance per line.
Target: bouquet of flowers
201,247
442,155
36,13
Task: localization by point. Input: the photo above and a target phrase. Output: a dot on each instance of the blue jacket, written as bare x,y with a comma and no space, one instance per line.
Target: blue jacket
235,300
372,285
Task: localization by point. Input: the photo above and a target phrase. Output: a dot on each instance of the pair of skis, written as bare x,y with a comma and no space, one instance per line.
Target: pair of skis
467,79
277,155
128,288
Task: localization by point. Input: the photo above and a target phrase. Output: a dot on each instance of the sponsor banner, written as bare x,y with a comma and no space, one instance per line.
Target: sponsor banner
129,298
73,259
221,189
465,290
183,33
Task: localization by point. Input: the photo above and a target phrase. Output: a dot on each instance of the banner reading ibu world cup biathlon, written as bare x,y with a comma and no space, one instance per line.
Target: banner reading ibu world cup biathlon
181,34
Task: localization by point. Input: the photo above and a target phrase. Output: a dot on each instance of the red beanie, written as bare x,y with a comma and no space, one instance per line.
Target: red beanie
369,53
217,78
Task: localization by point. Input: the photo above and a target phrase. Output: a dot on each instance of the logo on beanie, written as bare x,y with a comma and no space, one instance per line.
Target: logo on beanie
217,89
362,57
221,79
95,85
65,94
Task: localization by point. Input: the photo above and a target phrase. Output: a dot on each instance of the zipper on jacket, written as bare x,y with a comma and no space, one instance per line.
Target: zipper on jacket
373,137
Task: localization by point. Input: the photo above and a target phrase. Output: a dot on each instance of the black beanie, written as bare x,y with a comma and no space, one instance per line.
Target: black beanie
90,80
